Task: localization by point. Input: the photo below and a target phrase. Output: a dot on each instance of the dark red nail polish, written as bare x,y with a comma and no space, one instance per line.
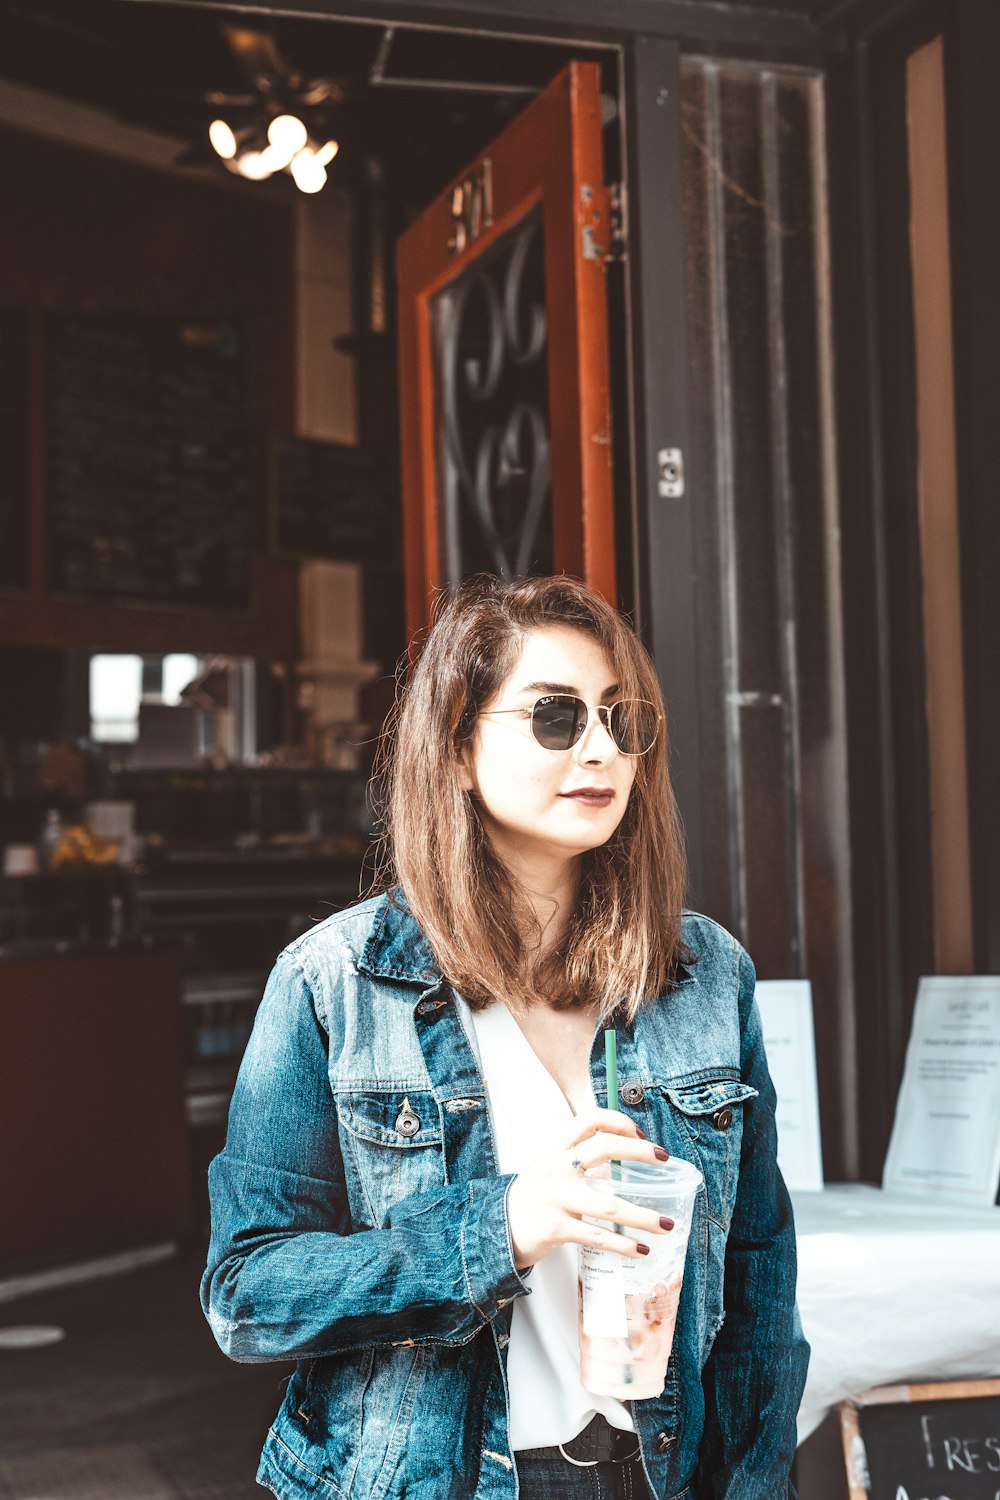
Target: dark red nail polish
666,1223
640,1133
660,1154
642,1249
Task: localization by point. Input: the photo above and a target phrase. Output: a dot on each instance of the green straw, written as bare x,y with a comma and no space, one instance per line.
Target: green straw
611,1065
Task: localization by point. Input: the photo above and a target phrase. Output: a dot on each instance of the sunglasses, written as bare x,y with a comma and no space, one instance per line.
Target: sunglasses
559,721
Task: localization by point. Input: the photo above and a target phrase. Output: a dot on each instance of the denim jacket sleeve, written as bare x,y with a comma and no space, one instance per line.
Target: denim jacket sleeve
286,1276
755,1374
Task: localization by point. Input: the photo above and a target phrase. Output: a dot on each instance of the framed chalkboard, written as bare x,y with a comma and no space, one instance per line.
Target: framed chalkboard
923,1442
331,501
150,494
13,447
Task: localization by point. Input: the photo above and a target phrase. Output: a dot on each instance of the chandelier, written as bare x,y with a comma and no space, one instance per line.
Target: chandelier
281,124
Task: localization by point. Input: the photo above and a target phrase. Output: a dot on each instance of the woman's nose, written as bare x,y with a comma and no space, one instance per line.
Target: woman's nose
595,746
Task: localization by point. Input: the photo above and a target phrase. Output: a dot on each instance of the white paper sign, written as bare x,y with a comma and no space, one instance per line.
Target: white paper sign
946,1134
786,1016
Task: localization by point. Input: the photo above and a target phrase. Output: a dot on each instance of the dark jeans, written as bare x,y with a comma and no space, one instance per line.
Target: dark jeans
545,1475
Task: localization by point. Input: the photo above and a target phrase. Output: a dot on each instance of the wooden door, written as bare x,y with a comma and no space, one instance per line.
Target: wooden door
503,347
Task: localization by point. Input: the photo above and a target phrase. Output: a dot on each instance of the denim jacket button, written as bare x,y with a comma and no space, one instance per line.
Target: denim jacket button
633,1093
663,1441
407,1123
723,1118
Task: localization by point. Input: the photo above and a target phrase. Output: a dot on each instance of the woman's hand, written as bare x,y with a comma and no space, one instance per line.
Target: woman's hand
547,1202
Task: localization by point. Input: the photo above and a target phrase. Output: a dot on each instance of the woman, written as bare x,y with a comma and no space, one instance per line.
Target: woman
402,1193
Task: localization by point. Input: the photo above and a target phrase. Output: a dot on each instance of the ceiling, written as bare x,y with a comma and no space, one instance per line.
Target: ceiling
172,69
424,101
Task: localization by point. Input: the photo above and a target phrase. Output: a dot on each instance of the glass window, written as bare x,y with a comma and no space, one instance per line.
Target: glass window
178,670
115,693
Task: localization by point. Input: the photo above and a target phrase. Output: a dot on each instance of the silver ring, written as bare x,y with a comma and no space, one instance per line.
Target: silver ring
577,1166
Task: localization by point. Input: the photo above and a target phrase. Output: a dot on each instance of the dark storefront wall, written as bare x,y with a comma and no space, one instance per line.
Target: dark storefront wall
896,876
816,552
782,597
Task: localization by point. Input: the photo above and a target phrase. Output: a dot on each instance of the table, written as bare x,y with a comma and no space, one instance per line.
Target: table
891,1289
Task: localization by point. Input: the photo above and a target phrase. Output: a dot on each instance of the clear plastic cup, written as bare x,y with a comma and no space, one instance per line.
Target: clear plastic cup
627,1308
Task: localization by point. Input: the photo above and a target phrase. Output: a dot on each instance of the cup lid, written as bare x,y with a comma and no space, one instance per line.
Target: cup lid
672,1176
672,1173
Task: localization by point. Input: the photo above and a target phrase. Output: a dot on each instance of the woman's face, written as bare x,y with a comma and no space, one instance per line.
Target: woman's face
538,805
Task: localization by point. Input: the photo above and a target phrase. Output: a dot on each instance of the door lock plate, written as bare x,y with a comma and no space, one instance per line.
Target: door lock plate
670,473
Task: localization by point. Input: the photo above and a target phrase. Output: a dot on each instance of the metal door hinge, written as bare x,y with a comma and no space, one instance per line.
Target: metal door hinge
618,207
603,230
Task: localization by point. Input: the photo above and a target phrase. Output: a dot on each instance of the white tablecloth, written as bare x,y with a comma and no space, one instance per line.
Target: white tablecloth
892,1288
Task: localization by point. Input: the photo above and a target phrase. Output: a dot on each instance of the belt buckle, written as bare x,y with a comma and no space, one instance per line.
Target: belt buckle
627,1457
600,1437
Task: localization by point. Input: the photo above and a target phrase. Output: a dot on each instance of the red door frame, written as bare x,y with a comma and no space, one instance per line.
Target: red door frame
550,155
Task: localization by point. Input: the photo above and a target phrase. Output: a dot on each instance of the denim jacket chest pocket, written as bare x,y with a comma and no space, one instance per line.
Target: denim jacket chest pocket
392,1147
711,1115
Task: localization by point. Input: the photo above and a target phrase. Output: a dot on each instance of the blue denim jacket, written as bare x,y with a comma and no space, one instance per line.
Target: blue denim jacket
359,1226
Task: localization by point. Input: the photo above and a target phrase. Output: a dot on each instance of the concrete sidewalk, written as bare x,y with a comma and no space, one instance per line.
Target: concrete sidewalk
136,1402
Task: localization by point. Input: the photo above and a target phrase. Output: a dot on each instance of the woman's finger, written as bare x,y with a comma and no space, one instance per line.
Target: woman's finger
611,1121
604,1147
596,1238
619,1211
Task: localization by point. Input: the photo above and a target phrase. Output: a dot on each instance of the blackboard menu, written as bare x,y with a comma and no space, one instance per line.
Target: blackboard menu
330,501
150,485
13,447
946,1449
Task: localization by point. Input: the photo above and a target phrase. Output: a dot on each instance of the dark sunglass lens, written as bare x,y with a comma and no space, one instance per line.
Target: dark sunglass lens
633,726
557,723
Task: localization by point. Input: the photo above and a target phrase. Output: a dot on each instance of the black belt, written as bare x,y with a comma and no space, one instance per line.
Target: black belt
598,1443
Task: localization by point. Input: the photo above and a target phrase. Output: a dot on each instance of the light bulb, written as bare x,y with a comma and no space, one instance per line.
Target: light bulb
254,165
326,153
309,173
274,158
287,134
277,155
222,138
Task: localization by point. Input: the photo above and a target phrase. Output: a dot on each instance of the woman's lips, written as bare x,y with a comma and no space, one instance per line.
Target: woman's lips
591,796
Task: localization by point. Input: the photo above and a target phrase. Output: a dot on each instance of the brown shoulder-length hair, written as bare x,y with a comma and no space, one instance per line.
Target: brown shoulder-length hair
622,941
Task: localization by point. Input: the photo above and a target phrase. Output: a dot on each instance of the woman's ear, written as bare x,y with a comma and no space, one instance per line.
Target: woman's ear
463,767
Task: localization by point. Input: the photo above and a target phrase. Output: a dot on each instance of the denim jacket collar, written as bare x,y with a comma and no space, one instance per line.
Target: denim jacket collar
396,947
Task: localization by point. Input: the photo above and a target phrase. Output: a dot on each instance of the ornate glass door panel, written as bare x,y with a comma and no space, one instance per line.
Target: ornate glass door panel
504,362
490,346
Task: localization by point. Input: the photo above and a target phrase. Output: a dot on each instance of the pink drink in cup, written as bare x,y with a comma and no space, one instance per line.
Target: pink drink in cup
628,1308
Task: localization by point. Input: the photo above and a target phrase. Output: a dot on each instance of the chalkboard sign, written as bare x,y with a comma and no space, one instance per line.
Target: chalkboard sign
13,447
330,501
149,472
924,1442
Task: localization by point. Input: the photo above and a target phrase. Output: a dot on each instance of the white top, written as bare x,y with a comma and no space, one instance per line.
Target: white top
548,1405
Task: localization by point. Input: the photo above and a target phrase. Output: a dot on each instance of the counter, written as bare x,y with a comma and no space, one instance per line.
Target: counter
92,1119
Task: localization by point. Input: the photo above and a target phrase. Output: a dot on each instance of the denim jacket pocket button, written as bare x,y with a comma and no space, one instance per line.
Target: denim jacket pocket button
407,1123
723,1118
633,1093
663,1442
